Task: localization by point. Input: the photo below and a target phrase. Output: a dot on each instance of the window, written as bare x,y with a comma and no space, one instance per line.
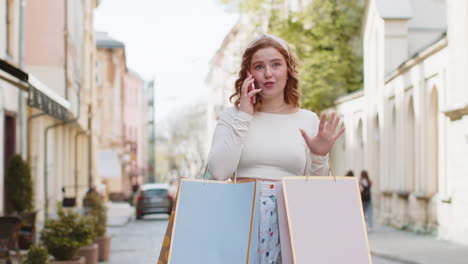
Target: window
9,26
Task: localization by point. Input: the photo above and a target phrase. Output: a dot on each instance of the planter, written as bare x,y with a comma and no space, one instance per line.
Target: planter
78,260
90,253
104,243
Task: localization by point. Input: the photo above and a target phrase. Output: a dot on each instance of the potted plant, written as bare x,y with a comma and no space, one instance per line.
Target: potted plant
64,236
18,186
95,208
37,255
19,198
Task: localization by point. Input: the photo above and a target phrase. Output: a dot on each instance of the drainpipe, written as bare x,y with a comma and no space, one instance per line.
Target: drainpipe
21,104
65,43
90,145
76,159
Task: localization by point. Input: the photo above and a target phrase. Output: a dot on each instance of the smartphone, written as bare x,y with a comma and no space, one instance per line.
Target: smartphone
252,87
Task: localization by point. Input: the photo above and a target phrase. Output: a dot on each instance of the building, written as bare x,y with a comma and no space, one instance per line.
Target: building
121,121
50,60
409,127
135,132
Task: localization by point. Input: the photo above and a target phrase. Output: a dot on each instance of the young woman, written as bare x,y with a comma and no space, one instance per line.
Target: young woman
267,136
365,185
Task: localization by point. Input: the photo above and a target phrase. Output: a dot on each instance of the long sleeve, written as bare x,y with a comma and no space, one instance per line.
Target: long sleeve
228,140
316,165
320,165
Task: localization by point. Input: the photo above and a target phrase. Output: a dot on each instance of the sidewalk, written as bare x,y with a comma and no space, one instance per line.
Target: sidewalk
119,214
410,248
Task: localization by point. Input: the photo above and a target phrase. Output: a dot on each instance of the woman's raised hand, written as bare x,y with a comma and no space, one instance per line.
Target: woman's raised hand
322,143
248,91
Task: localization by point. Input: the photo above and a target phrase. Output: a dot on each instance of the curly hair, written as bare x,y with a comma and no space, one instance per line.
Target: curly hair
292,95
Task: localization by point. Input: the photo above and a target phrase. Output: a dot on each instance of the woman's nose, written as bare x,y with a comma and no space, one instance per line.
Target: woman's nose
267,72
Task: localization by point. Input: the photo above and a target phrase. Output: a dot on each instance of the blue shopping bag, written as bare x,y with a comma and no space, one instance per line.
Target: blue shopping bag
215,222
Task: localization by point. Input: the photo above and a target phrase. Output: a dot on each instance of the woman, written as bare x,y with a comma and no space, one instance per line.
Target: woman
267,136
365,185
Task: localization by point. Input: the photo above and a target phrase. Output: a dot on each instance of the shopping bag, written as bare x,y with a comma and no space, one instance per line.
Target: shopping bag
164,252
326,221
215,222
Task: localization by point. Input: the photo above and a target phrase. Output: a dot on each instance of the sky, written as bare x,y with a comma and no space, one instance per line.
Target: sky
171,42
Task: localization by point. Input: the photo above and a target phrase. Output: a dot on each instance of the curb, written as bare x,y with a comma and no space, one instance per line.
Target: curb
391,257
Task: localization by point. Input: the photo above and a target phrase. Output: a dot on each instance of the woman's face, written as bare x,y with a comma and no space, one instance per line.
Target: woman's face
270,71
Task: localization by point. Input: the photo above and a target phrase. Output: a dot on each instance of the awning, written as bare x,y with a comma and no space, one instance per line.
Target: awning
39,95
109,164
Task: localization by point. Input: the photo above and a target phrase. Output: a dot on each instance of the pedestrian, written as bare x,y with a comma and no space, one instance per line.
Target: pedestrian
365,184
267,136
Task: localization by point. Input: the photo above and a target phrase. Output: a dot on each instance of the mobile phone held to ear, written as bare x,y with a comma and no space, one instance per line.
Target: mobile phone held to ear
252,87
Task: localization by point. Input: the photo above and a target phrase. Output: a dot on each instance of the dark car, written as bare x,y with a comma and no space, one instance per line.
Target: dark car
152,198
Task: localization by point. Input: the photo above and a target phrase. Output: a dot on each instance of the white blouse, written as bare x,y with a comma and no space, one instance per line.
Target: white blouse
264,146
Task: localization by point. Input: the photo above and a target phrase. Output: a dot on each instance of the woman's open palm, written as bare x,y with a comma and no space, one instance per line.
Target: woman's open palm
322,143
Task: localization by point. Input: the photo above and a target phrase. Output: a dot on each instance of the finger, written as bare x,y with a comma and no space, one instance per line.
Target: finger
252,86
331,121
339,133
335,125
253,92
247,82
304,135
322,122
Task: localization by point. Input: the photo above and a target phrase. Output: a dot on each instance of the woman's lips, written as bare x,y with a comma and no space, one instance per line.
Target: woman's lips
269,84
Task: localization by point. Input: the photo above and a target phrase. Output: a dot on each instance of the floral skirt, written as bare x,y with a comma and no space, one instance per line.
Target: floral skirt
269,246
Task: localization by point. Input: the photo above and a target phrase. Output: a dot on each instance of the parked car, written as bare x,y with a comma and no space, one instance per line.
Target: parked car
152,198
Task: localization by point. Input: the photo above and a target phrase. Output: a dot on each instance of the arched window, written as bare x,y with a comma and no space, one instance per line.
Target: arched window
410,138
376,151
393,177
433,151
359,158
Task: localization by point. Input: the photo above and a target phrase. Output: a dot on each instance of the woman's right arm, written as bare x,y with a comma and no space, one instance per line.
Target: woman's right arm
228,140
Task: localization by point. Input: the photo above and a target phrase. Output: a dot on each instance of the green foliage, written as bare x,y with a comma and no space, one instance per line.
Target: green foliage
325,35
18,186
37,255
96,209
65,235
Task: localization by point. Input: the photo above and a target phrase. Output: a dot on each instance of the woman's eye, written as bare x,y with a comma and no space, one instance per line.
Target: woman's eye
276,65
259,67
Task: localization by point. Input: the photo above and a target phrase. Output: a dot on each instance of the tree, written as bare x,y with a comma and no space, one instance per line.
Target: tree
185,142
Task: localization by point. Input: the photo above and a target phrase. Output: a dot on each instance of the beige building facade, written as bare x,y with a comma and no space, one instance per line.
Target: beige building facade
60,51
50,60
408,127
122,119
